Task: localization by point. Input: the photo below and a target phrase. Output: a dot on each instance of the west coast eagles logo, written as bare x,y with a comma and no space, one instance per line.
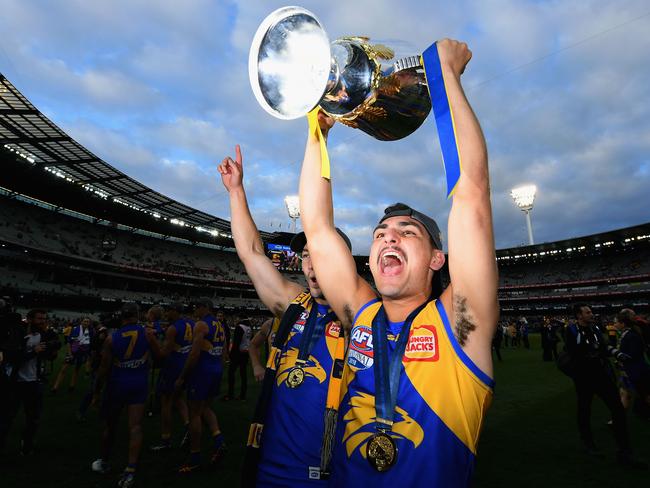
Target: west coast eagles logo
313,369
360,353
360,425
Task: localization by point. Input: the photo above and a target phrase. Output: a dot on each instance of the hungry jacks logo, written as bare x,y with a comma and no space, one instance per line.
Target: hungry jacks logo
422,344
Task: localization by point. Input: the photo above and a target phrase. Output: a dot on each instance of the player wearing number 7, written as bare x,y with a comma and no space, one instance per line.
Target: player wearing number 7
125,369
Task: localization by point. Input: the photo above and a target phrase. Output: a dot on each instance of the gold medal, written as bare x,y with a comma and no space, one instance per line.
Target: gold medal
295,378
381,451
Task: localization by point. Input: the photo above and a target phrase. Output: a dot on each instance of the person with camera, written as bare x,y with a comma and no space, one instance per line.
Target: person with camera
592,375
636,370
27,378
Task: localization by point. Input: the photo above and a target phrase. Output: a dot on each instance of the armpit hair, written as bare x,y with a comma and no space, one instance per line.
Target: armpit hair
463,321
349,315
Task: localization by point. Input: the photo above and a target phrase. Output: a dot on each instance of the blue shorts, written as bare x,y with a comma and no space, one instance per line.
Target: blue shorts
168,376
204,385
120,394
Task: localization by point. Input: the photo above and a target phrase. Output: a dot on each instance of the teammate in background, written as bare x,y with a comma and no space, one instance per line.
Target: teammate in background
155,322
202,374
221,317
424,430
239,359
264,336
94,361
125,370
293,424
78,349
178,343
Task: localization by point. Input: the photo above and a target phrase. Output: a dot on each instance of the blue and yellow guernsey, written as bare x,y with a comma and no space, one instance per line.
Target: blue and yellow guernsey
293,431
212,346
182,341
442,400
130,351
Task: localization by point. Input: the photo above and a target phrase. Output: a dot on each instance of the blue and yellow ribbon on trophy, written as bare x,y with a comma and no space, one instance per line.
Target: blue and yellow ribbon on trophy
444,116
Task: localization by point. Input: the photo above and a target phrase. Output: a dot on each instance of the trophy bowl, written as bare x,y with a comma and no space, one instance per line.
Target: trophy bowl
293,68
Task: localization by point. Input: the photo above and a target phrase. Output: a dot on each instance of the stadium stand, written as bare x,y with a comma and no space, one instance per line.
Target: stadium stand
77,234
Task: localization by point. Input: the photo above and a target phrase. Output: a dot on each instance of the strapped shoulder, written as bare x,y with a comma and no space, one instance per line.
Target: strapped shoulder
302,299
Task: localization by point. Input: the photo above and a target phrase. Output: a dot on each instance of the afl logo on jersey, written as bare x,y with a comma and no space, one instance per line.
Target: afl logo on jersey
360,355
299,325
422,345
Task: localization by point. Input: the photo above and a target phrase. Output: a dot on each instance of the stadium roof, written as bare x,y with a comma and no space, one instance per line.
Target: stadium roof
26,131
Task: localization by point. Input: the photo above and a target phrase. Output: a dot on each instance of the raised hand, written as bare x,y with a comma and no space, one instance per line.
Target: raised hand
232,172
453,55
325,122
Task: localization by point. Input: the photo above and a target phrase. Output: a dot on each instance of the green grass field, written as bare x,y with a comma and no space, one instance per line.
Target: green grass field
530,439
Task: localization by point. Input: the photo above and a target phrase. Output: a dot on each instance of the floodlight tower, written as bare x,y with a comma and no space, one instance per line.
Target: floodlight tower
293,208
524,197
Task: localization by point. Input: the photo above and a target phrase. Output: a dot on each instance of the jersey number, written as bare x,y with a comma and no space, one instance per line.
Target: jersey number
217,332
133,336
188,333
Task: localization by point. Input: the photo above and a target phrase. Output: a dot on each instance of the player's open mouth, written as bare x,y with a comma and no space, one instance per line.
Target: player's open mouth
391,263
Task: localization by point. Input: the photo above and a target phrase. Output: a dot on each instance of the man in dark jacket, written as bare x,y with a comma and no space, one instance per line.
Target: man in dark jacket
593,376
637,370
27,378
12,332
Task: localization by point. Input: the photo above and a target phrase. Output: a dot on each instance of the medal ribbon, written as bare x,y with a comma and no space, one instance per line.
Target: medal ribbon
443,115
312,332
388,369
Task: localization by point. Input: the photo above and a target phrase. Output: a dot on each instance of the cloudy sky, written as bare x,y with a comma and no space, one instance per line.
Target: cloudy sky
160,90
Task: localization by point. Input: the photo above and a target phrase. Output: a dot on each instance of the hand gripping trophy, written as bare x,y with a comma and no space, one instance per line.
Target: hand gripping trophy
294,68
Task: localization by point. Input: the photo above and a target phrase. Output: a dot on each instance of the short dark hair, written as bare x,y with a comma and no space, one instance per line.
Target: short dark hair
34,312
576,309
130,310
626,317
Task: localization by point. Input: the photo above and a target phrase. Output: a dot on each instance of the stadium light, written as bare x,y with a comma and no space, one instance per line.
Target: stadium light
524,197
293,208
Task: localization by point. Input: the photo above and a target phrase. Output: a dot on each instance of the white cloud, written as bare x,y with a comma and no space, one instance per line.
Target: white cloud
161,91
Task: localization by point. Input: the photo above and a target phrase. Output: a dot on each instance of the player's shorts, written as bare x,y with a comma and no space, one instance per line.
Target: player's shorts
168,376
204,385
119,394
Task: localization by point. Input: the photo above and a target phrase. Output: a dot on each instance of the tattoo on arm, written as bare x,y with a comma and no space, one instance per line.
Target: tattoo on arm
464,324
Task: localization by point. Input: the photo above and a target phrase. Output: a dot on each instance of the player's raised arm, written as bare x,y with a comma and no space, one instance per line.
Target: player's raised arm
274,291
471,299
332,260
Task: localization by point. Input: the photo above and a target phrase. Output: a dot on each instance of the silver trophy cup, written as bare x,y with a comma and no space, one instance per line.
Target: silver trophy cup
293,68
